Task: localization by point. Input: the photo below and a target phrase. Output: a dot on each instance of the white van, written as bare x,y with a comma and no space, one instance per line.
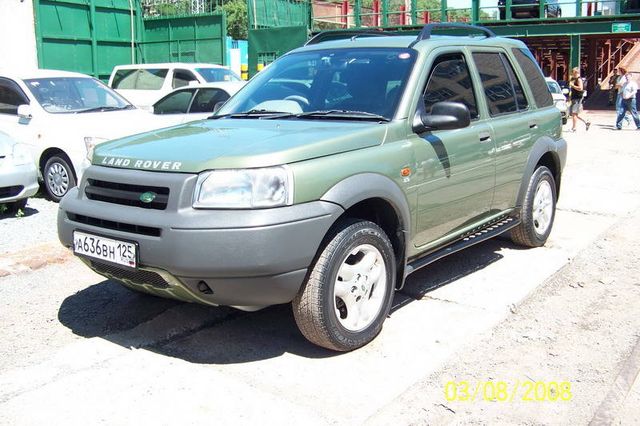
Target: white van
144,84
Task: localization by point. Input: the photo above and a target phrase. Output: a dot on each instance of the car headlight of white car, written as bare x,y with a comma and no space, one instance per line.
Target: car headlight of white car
90,143
244,188
21,155
561,105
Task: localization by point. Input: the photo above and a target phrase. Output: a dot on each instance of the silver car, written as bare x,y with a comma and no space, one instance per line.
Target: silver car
18,173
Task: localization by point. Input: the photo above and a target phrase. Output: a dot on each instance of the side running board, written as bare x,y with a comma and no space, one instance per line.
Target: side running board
484,234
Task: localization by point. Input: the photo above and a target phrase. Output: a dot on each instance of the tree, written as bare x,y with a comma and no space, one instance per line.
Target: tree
237,18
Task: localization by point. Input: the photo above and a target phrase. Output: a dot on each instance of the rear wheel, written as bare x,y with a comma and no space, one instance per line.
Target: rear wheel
349,290
538,210
58,177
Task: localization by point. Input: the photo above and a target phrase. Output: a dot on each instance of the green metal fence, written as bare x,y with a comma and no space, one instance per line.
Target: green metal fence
87,36
267,44
192,38
278,13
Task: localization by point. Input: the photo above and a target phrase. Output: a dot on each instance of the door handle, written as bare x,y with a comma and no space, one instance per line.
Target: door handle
533,125
484,137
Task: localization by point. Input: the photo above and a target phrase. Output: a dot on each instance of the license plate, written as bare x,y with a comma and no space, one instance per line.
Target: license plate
115,251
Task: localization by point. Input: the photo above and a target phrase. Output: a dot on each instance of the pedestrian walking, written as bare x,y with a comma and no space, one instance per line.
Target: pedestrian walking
627,95
577,94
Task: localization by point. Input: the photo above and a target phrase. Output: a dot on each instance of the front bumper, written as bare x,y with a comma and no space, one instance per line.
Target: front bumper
17,182
248,258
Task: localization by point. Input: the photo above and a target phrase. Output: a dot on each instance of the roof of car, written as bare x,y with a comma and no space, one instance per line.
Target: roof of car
400,41
40,73
169,65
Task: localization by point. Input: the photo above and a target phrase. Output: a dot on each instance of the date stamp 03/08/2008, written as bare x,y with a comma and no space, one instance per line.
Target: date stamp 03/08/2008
503,391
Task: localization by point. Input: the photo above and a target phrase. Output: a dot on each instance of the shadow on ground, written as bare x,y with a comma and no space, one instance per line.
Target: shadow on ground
221,335
26,212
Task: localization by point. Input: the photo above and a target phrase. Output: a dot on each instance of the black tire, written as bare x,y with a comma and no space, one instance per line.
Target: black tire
58,177
564,121
315,305
529,232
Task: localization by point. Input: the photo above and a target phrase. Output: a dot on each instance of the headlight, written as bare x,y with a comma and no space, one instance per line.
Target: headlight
561,105
244,188
21,155
90,143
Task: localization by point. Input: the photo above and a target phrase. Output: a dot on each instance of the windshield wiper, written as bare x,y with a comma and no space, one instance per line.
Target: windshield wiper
339,113
254,113
105,108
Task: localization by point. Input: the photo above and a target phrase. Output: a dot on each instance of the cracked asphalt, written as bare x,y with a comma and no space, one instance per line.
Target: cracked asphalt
77,348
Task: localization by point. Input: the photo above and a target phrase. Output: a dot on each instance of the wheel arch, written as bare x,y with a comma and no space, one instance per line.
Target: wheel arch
545,152
50,152
376,198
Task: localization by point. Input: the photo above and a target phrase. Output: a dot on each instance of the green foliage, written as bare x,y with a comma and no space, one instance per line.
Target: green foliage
237,18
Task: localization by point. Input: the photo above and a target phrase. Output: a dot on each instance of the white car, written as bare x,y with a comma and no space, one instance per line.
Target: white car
559,98
18,174
144,84
195,102
61,116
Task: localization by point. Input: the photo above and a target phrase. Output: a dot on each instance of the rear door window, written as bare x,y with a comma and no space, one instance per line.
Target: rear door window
498,87
206,100
449,80
140,79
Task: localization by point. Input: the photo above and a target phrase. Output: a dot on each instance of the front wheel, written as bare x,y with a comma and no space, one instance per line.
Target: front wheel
58,177
349,290
538,210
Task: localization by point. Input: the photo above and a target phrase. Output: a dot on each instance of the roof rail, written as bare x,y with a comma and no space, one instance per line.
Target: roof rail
425,34
343,34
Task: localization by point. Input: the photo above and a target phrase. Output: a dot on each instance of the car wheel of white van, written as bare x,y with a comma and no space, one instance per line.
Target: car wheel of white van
349,289
58,177
538,210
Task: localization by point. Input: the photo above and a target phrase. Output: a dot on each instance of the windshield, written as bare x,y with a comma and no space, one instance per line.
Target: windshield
364,80
139,79
554,87
212,75
74,94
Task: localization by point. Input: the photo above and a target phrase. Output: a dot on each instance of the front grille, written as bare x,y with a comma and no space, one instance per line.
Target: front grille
126,194
116,226
134,276
10,191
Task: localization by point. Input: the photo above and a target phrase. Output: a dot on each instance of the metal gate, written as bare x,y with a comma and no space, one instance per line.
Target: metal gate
88,36
190,38
265,45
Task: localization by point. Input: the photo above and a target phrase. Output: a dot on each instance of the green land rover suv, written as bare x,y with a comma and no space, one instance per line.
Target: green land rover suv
333,174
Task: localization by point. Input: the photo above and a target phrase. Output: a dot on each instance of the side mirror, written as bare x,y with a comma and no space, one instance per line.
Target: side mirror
444,116
24,112
217,106
565,91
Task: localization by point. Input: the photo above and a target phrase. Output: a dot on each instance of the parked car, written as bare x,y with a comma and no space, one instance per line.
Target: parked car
18,174
559,97
61,115
530,9
195,102
329,192
144,84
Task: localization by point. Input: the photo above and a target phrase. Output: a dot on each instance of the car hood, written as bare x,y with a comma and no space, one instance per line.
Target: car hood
110,124
237,143
558,97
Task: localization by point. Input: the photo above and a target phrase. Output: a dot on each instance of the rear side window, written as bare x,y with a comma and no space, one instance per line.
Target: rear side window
140,79
449,80
497,85
206,100
534,76
174,103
